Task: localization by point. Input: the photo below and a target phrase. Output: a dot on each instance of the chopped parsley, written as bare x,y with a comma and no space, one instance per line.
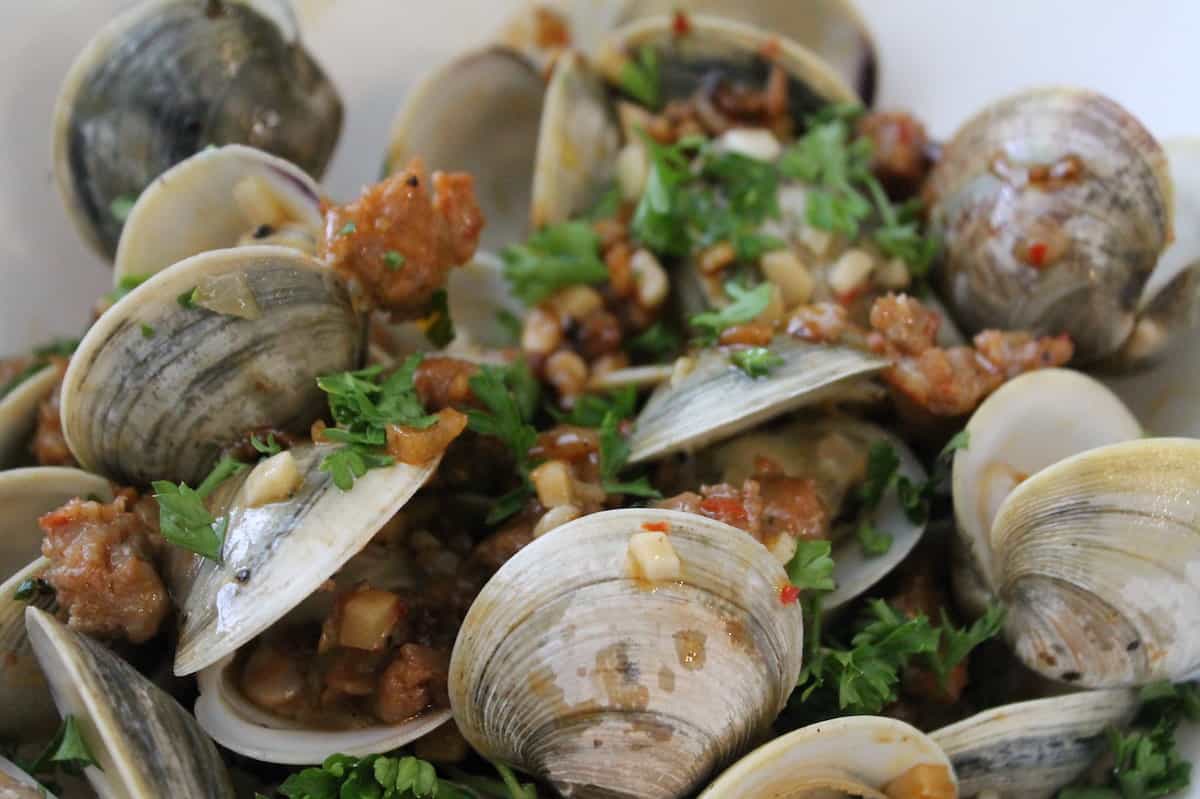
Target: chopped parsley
184,520
125,285
187,299
589,410
511,324
510,396
661,220
811,568
347,229
147,330
363,404
394,260
614,453
67,751
398,776
756,361
874,542
121,206
269,447
607,206
553,258
915,498
32,588
439,327
746,305
55,348
659,342
640,78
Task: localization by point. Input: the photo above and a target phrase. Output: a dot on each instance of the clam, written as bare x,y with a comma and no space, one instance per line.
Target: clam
218,198
479,114
868,756
1095,559
275,557
696,410
16,784
147,746
18,413
833,29
1055,206
216,345
831,451
1029,423
1032,749
25,494
169,77
576,666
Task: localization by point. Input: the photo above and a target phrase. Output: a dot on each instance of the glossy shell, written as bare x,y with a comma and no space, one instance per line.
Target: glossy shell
573,669
195,207
157,390
1032,749
18,414
839,757
167,78
1054,206
698,410
148,747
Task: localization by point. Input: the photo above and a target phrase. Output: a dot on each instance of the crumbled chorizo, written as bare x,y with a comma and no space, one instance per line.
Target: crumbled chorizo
898,155
820,323
103,566
445,383
905,323
1017,352
397,242
414,681
418,446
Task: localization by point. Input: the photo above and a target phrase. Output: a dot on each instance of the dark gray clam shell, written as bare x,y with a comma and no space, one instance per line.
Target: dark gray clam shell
171,77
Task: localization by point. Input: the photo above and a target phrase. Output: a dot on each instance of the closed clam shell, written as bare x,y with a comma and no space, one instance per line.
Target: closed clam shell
25,494
479,114
167,78
571,667
852,756
1032,749
18,413
195,207
147,746
1054,206
716,400
1097,560
158,388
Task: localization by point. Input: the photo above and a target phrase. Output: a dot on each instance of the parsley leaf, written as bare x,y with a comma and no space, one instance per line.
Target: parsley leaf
957,644
915,498
658,342
607,206
393,260
67,750
371,777
746,305
553,258
439,327
639,77
826,157
510,395
614,453
511,324
874,542
121,206
125,285
590,409
269,447
183,518
882,464
756,361
660,221
811,568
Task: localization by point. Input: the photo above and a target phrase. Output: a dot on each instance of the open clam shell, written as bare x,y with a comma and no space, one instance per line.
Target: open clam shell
1095,559
16,784
479,114
1054,205
853,756
716,399
169,77
18,413
1031,422
211,201
157,388
148,747
1032,749
574,669
25,494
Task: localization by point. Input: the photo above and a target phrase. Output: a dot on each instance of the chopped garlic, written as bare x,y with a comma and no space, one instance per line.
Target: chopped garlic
652,282
257,201
554,484
756,143
816,239
576,302
893,274
653,557
851,271
272,480
633,166
683,367
785,269
555,517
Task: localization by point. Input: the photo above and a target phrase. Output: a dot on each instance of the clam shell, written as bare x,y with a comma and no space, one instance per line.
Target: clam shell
18,414
864,752
165,79
190,208
1029,423
479,114
277,555
148,747
1032,749
25,494
1103,228
605,685
577,144
1096,559
140,407
13,772
698,409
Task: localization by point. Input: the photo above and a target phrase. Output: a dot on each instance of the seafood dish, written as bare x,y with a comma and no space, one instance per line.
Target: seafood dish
666,421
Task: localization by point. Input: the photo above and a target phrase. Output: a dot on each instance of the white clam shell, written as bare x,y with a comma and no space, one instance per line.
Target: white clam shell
569,667
1032,749
148,747
18,413
864,751
12,771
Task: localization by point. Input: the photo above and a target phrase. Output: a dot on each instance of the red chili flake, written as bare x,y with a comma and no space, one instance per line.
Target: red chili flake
789,594
1036,255
654,527
681,24
725,509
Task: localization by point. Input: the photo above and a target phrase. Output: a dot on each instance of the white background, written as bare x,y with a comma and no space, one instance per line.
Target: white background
941,58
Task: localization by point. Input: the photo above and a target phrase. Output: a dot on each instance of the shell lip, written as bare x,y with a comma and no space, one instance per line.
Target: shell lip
18,410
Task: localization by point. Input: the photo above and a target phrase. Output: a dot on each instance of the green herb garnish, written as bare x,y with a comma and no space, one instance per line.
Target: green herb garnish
147,330
639,77
614,453
394,260
747,304
183,518
811,567
510,395
269,447
121,206
756,361
874,542
553,258
658,342
511,324
125,285
589,410
187,299
439,327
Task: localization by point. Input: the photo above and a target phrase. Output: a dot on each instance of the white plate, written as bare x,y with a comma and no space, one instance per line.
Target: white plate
941,58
